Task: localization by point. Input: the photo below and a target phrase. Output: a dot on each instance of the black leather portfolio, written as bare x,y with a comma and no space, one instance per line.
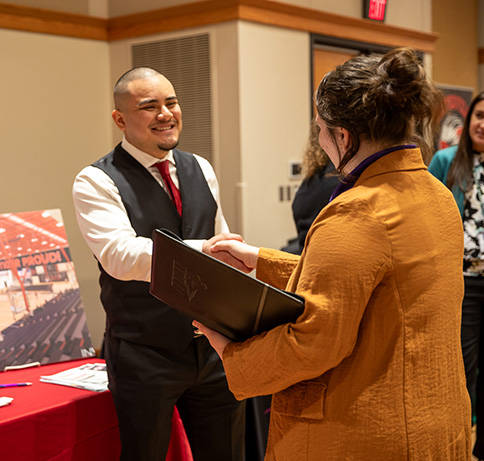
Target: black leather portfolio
214,293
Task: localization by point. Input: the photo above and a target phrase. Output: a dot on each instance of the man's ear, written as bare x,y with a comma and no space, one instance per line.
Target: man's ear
118,118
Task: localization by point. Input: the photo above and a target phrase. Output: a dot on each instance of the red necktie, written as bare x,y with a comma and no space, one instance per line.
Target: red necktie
174,192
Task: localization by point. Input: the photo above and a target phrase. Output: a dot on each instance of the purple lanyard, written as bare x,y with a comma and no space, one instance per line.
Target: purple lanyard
349,181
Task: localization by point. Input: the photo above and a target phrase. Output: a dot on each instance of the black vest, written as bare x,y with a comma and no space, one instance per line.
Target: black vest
132,313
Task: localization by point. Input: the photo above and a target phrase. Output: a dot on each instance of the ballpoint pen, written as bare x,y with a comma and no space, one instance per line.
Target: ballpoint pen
15,385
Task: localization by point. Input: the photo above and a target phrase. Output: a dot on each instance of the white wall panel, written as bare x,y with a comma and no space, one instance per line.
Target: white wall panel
275,116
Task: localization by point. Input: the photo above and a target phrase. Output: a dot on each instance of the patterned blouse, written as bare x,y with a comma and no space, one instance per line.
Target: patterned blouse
474,221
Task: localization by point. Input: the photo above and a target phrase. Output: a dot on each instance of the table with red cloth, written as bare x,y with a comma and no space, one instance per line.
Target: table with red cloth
50,422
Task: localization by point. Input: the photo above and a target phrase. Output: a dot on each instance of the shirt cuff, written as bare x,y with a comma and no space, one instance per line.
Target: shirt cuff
196,244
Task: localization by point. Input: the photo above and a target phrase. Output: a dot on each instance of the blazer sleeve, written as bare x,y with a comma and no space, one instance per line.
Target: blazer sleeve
275,267
347,254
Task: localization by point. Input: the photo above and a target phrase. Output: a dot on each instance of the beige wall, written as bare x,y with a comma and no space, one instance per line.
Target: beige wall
225,44
54,120
98,8
414,14
455,57
124,7
275,110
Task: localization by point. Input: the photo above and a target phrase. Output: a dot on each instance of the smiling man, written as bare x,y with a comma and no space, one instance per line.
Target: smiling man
154,358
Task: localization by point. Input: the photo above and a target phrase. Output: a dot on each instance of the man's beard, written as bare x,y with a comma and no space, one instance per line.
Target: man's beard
167,147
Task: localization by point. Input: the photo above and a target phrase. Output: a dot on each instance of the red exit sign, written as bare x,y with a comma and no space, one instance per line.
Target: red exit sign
374,9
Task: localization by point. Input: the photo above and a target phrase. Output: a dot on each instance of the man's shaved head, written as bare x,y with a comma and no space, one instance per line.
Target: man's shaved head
121,87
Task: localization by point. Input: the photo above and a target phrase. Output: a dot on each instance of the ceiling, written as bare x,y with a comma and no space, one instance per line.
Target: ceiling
31,232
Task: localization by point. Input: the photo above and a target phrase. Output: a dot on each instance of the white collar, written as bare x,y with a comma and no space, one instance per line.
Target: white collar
147,160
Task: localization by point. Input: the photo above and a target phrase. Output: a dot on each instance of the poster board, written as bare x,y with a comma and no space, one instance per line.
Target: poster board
457,102
42,318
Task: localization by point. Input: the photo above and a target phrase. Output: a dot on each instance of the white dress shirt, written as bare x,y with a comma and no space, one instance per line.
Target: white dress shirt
105,225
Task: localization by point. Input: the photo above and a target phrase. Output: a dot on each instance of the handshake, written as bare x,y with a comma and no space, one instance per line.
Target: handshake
231,249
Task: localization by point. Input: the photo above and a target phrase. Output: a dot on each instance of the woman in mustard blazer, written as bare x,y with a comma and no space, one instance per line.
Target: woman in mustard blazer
372,370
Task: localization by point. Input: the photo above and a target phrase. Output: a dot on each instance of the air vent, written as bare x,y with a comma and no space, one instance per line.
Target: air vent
185,62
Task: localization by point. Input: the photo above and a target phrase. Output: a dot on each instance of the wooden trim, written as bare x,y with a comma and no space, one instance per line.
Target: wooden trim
52,22
213,12
333,25
269,13
480,56
173,18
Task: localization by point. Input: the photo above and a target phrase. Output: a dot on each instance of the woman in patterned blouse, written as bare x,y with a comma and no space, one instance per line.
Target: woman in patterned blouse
461,168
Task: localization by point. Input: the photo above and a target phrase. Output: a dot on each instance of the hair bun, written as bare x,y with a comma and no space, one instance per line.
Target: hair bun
399,80
385,99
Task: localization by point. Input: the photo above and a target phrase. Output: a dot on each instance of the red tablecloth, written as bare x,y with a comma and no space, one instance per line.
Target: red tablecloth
49,422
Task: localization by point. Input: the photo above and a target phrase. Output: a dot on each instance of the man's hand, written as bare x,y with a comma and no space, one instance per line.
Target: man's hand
217,341
239,250
225,256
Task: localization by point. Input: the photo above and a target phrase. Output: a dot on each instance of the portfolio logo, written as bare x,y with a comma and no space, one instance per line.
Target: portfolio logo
185,281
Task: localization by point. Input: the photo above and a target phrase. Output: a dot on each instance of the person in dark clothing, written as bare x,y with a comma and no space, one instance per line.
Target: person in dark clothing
320,180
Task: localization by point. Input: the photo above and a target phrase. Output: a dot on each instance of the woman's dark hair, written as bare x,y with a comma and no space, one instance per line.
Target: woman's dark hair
385,99
460,171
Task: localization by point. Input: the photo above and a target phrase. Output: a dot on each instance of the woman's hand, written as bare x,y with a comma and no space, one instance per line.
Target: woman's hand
225,256
217,341
239,250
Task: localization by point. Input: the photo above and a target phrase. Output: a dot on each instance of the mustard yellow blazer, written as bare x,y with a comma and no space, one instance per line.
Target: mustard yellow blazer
372,370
